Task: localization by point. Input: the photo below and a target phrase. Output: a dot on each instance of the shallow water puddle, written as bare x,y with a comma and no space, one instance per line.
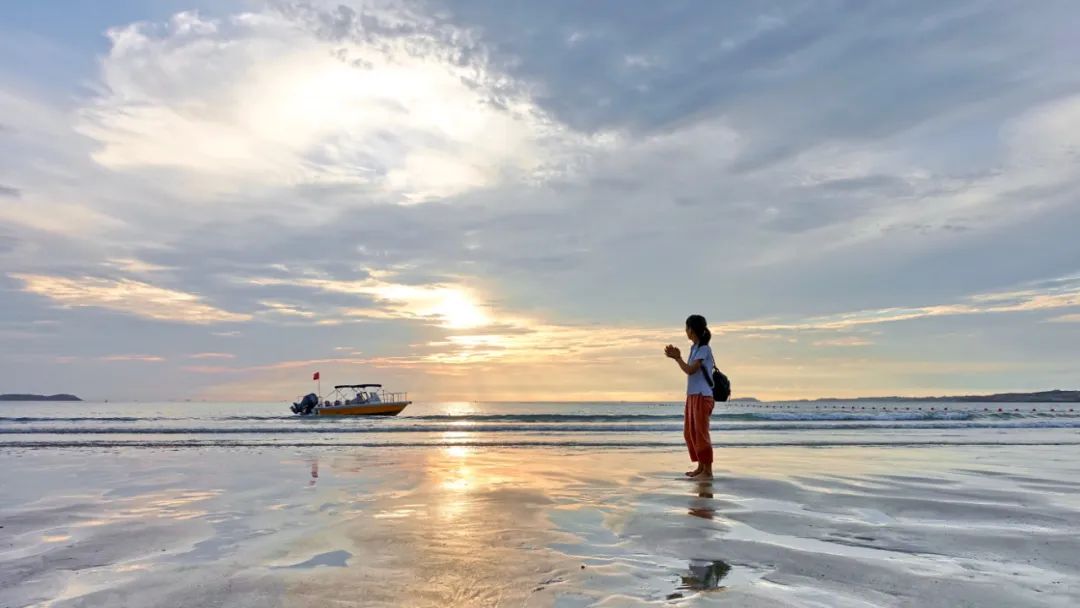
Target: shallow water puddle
333,559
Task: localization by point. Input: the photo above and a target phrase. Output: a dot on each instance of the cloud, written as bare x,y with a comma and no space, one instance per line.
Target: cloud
139,358
844,341
8,243
9,191
379,101
27,330
451,306
134,266
69,219
281,308
48,161
280,365
475,331
532,340
210,369
1071,318
1063,293
211,356
127,296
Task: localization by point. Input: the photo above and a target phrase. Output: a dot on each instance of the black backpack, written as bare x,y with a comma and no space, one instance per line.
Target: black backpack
721,386
719,382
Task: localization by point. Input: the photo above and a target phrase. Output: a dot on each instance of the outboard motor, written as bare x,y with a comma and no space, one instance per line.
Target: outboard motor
306,404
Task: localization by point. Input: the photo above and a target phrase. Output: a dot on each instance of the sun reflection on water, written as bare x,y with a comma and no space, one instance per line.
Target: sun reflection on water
458,451
458,477
459,408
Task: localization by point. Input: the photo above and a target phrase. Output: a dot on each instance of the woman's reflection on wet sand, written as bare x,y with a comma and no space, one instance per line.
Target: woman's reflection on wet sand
704,575
702,506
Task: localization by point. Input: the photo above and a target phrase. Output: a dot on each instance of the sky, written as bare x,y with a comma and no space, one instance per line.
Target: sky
524,200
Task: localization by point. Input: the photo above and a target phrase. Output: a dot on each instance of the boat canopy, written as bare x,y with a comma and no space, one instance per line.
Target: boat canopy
339,386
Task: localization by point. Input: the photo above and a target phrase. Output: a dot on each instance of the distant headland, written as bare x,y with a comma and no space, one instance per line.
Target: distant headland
1055,396
18,397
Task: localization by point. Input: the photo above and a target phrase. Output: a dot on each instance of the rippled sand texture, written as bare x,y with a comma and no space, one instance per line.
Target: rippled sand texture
465,526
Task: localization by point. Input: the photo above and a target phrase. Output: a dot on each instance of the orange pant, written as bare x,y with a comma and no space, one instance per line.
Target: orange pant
696,428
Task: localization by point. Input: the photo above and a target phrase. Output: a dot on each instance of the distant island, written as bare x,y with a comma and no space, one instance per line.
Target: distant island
1055,396
18,397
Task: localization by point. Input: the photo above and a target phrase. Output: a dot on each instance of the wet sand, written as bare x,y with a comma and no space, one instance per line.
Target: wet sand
461,526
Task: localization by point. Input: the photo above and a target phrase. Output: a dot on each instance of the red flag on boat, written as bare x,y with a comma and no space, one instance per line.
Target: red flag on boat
316,376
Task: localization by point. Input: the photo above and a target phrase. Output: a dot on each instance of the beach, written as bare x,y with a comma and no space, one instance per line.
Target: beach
974,517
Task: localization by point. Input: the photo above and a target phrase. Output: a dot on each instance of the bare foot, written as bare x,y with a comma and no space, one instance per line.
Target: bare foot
693,473
702,475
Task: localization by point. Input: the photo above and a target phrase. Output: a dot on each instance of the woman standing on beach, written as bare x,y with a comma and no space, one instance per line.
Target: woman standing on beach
699,395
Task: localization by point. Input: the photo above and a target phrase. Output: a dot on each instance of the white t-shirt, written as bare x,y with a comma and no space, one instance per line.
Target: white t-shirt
696,384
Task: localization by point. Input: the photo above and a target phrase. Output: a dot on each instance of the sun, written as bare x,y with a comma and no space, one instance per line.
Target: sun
458,310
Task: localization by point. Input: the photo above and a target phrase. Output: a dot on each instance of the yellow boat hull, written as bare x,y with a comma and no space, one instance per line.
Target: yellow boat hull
372,409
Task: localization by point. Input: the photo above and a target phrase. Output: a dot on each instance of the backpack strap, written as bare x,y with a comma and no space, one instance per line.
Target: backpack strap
708,376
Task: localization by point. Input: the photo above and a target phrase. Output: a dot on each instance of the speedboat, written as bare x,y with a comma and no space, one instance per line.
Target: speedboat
353,400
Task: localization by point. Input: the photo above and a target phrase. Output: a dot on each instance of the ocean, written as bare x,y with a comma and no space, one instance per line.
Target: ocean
573,425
